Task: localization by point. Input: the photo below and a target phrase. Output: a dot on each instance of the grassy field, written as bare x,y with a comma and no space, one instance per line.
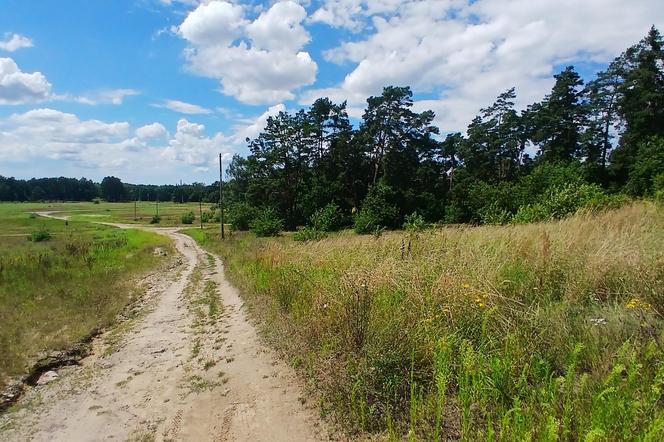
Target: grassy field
55,292
542,332
170,213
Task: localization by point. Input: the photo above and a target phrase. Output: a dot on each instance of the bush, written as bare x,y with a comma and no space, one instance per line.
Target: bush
327,219
40,235
494,214
659,196
188,218
648,165
658,182
309,234
414,223
565,201
96,200
377,212
568,200
267,223
531,213
155,219
241,215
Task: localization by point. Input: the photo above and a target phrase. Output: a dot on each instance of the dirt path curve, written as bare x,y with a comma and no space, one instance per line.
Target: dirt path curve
189,367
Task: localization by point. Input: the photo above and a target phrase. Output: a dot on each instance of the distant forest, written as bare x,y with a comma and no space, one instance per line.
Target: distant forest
601,138
111,189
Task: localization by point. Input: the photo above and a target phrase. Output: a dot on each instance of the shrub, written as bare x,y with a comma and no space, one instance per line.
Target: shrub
659,196
648,165
156,219
328,218
364,222
40,235
530,213
377,211
543,178
658,182
96,200
494,214
564,201
267,223
241,215
568,200
605,201
188,218
453,214
414,223
309,234
658,188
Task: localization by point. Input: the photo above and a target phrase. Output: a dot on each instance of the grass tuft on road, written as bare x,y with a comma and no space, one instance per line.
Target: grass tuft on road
548,331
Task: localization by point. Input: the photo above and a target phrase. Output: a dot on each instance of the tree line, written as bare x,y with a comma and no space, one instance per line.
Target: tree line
111,189
583,142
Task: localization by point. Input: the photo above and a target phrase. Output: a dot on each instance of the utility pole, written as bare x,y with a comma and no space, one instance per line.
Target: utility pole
200,206
181,193
221,195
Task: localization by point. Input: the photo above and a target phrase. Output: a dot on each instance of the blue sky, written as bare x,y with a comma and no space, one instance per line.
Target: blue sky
152,90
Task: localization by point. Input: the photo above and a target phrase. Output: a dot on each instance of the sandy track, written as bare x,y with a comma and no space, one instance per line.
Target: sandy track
181,370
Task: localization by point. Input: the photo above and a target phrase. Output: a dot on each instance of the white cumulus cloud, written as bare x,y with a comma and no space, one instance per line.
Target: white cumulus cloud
183,107
464,53
18,87
14,42
256,61
152,131
191,146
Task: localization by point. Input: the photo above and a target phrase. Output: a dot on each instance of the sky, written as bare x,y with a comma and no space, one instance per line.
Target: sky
151,91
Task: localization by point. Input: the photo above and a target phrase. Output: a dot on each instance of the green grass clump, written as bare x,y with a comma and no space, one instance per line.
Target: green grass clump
188,218
54,293
40,235
549,331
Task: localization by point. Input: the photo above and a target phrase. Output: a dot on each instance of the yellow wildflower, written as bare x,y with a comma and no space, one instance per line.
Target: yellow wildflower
637,303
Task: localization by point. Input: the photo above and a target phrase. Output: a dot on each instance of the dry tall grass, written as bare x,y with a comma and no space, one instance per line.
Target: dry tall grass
548,331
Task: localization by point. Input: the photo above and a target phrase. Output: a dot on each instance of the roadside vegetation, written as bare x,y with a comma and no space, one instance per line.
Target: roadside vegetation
61,281
547,331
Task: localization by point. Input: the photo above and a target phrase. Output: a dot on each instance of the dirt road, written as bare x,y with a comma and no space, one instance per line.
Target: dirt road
187,366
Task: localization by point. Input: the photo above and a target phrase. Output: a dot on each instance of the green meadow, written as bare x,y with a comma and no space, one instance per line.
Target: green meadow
170,213
60,281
